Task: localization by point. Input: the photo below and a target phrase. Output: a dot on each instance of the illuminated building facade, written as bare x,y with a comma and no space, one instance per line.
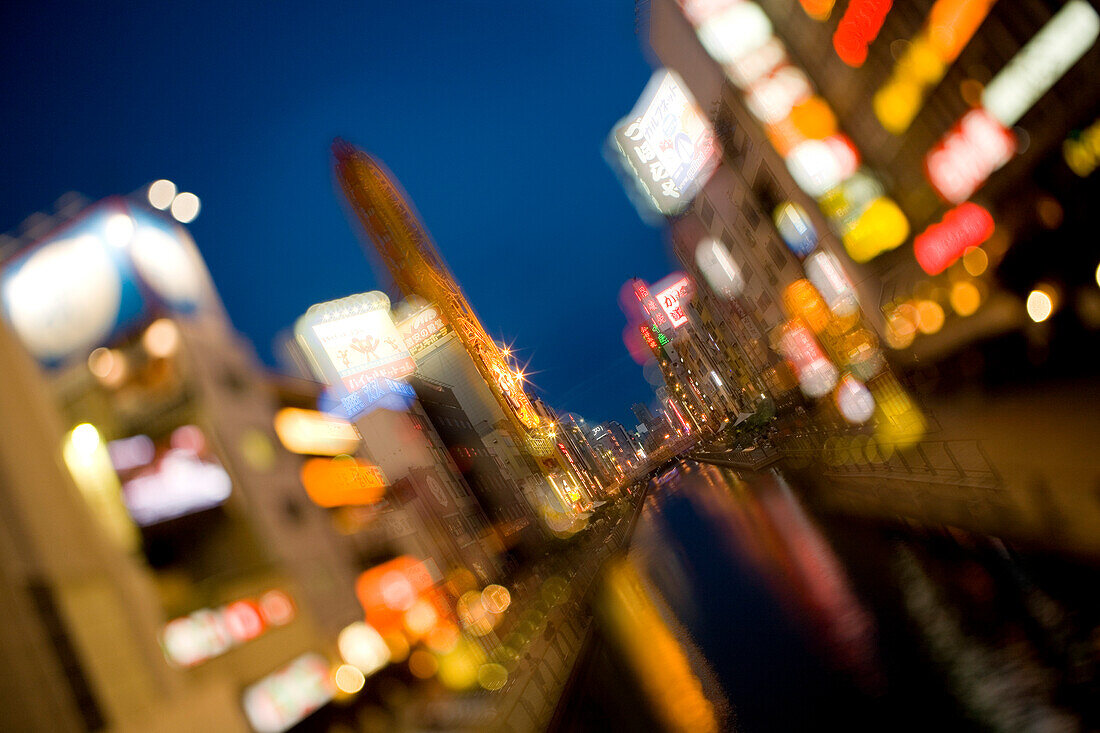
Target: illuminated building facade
590,456
166,557
956,112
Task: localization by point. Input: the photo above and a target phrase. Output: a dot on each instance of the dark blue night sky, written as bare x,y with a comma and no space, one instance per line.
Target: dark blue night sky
491,114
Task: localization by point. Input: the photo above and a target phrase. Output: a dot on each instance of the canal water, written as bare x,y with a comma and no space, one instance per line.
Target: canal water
792,619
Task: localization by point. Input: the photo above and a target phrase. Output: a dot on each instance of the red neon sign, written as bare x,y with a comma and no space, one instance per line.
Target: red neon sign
858,28
941,244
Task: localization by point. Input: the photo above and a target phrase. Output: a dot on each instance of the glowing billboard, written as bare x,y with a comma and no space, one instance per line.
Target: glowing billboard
342,481
858,27
1042,62
423,329
673,299
666,144
95,276
169,478
285,697
207,633
967,225
353,340
315,433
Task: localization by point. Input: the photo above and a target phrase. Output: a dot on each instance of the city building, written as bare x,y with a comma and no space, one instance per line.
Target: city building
486,476
485,381
951,129
163,567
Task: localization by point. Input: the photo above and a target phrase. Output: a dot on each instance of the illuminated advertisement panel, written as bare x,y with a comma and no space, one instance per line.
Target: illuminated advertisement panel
207,633
673,299
423,329
965,226
315,433
88,280
352,341
667,144
968,154
168,478
858,27
282,699
342,481
1043,61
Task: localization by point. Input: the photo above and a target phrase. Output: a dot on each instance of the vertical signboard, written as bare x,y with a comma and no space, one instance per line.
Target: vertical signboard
353,341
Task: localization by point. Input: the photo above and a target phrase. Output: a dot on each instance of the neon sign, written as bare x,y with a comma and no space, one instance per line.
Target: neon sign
671,300
283,698
969,153
315,433
170,479
208,633
1042,62
342,481
423,329
858,27
965,226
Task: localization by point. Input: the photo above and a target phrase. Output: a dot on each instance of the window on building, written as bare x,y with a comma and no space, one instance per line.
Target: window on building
706,211
752,217
777,255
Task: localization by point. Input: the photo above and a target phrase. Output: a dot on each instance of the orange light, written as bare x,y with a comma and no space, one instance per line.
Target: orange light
801,298
818,9
784,136
342,481
813,118
386,591
951,24
965,297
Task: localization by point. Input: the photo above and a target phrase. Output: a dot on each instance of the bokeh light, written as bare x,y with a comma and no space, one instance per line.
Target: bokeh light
161,193
348,679
965,297
185,207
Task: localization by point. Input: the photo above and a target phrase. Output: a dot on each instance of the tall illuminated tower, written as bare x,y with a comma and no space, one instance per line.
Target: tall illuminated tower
395,229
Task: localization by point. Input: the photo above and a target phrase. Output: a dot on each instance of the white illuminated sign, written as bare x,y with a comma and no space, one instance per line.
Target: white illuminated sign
1042,62
283,698
353,340
65,296
315,433
168,481
667,144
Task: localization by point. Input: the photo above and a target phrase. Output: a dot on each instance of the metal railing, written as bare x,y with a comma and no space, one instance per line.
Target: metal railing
962,462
